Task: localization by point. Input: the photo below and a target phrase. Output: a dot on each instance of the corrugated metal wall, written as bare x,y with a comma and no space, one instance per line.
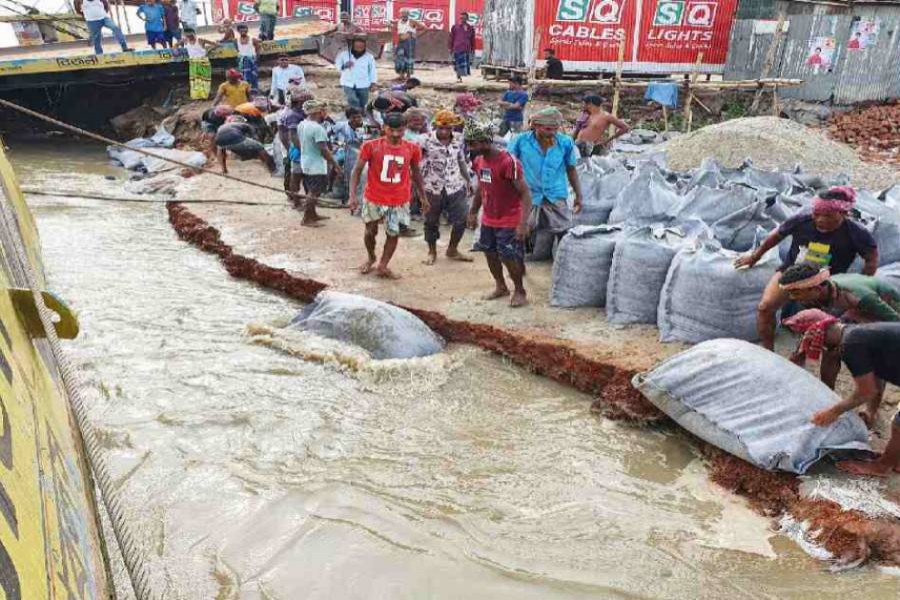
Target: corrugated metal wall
504,37
854,75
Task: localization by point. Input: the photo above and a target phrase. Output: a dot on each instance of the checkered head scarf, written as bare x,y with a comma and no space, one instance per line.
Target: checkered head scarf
478,132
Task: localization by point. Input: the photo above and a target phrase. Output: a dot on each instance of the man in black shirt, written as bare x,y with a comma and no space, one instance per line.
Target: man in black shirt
237,136
824,237
872,354
554,65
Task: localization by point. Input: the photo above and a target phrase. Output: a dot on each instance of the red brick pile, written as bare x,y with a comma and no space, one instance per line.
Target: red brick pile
874,131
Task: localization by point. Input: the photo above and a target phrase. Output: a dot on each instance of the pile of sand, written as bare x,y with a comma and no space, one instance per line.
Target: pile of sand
778,144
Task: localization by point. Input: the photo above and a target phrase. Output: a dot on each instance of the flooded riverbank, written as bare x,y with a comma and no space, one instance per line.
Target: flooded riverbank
249,472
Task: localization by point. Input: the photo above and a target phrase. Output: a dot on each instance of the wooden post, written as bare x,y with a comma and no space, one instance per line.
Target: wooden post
534,59
689,101
617,80
125,17
775,109
770,61
665,119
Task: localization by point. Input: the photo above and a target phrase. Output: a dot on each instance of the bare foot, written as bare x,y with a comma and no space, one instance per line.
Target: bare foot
386,273
497,293
518,299
871,468
310,223
432,258
455,255
367,266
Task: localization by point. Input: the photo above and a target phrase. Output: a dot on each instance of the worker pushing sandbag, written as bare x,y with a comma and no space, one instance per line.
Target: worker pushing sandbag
581,268
752,403
384,330
640,263
705,297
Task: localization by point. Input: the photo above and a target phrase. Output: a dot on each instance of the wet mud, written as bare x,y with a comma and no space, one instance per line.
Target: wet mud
850,536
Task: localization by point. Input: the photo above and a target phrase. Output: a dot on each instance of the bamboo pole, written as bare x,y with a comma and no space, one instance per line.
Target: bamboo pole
125,17
617,84
770,60
688,104
665,119
775,109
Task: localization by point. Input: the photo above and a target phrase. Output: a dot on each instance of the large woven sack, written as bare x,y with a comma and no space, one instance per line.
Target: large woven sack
740,230
600,185
704,297
751,403
890,273
640,263
647,199
383,330
581,267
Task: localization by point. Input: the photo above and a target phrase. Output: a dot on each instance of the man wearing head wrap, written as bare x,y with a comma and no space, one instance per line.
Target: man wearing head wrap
416,125
824,237
447,184
315,159
233,91
872,354
393,166
504,199
549,158
855,298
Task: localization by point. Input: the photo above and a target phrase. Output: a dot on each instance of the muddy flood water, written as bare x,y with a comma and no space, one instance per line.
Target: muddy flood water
253,466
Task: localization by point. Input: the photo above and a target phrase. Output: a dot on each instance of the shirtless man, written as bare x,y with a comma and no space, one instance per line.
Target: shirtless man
592,137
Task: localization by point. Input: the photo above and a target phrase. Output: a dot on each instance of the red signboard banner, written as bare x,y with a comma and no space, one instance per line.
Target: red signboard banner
676,31
585,30
326,10
371,15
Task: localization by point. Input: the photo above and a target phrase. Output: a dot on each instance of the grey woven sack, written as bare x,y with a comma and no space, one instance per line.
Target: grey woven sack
704,297
753,404
581,267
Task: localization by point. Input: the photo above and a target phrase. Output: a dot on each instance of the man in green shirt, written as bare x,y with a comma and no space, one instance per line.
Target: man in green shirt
268,14
856,298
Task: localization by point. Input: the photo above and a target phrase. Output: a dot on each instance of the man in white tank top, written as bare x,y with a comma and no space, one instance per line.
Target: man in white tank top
96,15
248,50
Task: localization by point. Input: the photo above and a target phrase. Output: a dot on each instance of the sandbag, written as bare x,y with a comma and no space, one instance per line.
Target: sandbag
704,297
639,267
890,274
712,204
153,164
581,268
383,330
751,403
741,229
648,199
884,223
599,189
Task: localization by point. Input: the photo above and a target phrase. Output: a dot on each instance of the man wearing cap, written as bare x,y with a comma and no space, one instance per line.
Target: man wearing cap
315,158
854,298
284,75
824,237
447,184
872,354
591,137
358,74
393,168
549,160
504,199
233,91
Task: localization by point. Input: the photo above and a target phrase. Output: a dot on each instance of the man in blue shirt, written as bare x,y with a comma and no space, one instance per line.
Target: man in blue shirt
548,159
513,102
358,75
153,15
346,136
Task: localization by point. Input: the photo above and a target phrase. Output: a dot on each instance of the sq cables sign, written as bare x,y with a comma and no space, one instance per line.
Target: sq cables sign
582,30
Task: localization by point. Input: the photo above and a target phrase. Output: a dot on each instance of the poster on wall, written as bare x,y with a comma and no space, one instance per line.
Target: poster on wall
820,57
677,31
863,34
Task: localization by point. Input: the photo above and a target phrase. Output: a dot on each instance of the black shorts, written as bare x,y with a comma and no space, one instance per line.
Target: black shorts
501,241
246,149
315,184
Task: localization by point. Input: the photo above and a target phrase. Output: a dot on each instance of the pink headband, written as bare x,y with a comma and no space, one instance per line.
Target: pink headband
826,206
805,284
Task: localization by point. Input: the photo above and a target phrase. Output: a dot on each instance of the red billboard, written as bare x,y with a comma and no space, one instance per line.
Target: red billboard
371,15
676,31
325,10
475,8
585,29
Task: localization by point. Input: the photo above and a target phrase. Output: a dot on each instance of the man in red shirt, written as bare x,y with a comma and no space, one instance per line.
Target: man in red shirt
393,165
505,201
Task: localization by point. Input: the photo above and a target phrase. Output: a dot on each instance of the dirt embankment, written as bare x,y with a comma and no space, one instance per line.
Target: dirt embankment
848,535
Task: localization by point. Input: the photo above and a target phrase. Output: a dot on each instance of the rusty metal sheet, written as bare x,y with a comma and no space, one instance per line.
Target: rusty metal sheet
506,23
431,46
333,43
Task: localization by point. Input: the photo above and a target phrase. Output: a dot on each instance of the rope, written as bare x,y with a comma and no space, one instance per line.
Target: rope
138,575
322,203
99,138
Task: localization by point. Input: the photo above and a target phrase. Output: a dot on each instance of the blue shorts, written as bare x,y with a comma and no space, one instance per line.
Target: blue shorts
156,37
501,241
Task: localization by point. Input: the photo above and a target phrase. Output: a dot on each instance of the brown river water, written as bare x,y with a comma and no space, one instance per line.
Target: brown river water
257,464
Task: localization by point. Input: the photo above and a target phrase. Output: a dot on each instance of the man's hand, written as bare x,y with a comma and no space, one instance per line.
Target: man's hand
578,205
472,220
826,417
425,205
522,231
798,358
745,261
352,203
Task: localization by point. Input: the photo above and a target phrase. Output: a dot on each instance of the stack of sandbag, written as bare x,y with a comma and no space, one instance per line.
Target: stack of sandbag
884,223
746,227
581,268
751,403
704,297
890,273
647,199
383,330
639,267
601,182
